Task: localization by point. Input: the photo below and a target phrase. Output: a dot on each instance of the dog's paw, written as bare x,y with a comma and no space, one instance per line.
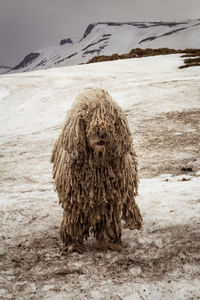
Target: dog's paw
73,248
105,246
132,225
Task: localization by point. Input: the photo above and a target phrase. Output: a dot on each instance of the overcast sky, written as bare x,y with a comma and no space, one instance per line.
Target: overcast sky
28,25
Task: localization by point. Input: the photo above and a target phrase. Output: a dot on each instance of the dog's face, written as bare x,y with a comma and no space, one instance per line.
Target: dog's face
99,134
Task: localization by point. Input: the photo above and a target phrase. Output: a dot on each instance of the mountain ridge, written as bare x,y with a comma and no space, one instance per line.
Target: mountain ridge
107,38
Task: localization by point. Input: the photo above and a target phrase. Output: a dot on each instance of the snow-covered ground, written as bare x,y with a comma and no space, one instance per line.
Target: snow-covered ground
161,261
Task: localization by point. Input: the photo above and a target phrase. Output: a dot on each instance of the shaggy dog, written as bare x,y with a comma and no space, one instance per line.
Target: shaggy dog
95,172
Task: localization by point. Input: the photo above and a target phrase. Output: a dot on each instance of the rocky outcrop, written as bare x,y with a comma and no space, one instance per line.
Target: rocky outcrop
28,59
65,41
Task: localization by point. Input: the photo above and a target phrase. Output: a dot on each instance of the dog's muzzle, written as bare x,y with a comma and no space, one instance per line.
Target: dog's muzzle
101,143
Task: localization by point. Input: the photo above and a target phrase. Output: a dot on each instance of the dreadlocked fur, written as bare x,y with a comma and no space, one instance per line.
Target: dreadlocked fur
95,171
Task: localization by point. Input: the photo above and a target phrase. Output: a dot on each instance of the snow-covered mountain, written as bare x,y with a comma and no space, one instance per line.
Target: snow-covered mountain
4,69
107,38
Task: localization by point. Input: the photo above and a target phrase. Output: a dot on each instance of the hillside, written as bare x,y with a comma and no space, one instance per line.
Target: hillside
161,261
107,38
4,69
192,56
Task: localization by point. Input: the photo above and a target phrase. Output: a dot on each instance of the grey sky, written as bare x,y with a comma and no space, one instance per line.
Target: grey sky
28,25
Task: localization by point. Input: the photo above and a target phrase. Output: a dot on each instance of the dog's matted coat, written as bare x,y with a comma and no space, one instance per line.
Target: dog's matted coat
95,171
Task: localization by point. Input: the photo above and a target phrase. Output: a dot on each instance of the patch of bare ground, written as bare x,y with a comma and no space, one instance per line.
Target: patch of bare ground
192,60
35,263
168,143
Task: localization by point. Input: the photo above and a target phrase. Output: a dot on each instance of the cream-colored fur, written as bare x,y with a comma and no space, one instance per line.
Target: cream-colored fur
95,171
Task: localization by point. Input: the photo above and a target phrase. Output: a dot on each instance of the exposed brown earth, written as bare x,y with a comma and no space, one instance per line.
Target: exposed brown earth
194,55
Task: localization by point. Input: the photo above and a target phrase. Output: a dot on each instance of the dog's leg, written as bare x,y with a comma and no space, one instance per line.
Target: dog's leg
73,234
131,215
108,234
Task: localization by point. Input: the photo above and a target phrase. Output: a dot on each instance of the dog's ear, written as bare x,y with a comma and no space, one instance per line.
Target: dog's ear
123,133
73,135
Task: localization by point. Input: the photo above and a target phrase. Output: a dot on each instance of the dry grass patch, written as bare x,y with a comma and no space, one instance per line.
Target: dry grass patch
192,54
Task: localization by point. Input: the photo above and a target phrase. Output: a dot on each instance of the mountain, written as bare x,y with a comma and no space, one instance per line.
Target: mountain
4,69
107,38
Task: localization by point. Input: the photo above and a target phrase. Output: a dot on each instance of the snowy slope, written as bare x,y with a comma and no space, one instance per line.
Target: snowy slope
109,38
4,69
159,262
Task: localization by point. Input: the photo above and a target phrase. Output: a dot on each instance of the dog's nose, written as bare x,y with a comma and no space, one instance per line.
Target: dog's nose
102,135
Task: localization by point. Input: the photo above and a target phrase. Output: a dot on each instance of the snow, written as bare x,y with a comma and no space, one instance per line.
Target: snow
124,77
175,209
120,38
4,93
158,262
